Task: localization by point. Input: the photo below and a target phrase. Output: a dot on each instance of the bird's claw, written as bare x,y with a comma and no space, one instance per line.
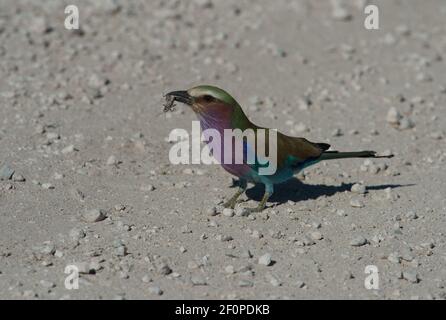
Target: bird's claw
255,210
231,203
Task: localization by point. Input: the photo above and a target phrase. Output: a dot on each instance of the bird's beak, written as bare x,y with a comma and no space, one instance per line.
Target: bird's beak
181,96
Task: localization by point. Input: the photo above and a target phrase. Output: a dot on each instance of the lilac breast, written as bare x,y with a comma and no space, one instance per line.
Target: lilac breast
219,123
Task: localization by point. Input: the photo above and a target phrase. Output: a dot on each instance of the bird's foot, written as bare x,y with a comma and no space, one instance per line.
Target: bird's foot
257,209
261,206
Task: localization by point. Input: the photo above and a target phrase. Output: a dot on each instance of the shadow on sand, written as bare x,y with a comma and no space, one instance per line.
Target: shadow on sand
296,191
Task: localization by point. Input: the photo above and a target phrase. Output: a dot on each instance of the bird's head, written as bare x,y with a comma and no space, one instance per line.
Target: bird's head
203,99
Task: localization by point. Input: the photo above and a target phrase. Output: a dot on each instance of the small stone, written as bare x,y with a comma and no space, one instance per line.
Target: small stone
306,241
228,212
112,161
300,284
256,234
341,213
224,238
424,77
341,14
58,176
245,284
229,269
358,188
246,254
411,276
120,251
212,211
437,135
83,267
52,136
411,215
358,241
163,269
337,133
68,149
348,275
156,291
93,215
96,82
389,39
40,25
241,212
393,116
147,188
18,177
265,259
403,30
300,128
356,203
29,294
47,284
119,207
273,280
6,173
40,129
47,248
198,281
394,258
316,235
47,263
77,233
405,124
48,186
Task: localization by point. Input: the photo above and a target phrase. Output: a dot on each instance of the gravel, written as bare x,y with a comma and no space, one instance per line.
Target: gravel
6,173
48,186
77,234
18,177
212,211
356,203
93,215
227,212
163,269
155,291
241,212
265,259
245,284
198,281
358,241
411,276
47,284
316,235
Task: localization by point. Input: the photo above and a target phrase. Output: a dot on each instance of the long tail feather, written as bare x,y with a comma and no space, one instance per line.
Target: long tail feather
331,155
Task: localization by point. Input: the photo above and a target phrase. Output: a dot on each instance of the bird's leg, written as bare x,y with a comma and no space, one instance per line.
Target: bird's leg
233,201
269,190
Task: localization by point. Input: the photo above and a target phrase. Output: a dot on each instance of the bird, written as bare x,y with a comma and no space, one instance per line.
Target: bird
217,109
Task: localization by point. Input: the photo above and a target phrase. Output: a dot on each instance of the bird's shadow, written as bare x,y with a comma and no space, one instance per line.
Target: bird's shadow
296,191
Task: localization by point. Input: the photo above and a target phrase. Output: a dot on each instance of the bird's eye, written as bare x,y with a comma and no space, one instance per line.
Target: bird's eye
208,98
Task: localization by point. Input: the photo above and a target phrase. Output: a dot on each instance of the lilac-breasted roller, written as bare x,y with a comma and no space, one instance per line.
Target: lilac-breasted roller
218,110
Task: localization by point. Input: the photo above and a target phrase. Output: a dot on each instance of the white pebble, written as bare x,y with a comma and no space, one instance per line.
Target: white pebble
94,215
265,260
228,212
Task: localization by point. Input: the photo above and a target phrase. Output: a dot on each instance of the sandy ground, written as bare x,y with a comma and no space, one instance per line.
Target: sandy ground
81,122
